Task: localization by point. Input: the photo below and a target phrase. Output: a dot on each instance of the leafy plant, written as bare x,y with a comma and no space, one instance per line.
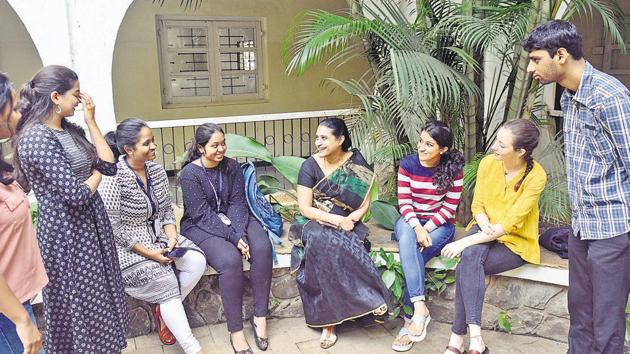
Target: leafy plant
506,321
287,166
393,278
385,214
414,71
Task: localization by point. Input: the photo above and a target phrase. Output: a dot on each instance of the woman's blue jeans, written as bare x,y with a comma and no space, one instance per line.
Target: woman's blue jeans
413,261
10,343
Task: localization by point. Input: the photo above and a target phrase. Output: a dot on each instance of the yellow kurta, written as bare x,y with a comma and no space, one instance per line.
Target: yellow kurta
517,212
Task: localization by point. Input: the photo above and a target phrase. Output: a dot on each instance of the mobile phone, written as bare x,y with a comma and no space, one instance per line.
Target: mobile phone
177,252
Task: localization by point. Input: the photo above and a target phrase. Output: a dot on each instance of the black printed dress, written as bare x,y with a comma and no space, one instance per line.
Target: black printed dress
85,308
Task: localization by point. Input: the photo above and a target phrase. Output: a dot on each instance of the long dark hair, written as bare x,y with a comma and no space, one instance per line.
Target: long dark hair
525,135
126,135
6,99
202,135
451,162
36,107
339,128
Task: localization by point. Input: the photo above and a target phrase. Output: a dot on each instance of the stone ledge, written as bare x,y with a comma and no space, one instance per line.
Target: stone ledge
551,270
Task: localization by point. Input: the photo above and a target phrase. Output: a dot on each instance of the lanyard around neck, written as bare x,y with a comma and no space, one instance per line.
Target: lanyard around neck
148,189
214,190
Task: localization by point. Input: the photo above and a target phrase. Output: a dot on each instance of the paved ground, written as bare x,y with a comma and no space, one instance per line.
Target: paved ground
288,336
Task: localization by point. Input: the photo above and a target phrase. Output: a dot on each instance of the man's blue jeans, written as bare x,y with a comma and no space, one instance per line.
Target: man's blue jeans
10,343
413,260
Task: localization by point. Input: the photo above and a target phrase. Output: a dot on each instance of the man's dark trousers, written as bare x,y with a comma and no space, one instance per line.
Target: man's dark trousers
599,283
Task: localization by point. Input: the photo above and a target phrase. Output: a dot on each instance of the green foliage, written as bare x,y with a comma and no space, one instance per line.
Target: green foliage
505,321
394,278
242,146
414,71
384,214
287,166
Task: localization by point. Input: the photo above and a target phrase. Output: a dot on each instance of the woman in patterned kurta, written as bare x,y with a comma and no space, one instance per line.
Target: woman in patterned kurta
139,208
85,309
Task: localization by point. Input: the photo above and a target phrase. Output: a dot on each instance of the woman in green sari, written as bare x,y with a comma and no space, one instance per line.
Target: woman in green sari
336,278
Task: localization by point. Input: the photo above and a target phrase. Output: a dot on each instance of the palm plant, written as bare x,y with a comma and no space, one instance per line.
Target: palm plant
495,28
415,71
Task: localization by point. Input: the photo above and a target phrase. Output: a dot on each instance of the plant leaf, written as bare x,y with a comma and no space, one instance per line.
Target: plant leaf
242,146
385,214
388,277
288,166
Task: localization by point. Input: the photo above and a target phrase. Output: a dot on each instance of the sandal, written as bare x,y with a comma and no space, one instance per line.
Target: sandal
261,343
402,347
423,321
165,334
246,351
325,341
454,350
486,350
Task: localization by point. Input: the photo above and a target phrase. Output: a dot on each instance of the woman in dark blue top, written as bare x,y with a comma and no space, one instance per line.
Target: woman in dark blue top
217,219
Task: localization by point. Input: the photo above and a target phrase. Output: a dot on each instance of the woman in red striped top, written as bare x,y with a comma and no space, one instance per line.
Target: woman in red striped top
429,188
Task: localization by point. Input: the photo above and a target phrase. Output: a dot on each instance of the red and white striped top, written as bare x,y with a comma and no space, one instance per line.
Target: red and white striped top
419,199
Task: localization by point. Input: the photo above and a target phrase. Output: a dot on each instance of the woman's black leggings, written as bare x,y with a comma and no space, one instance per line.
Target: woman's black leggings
227,260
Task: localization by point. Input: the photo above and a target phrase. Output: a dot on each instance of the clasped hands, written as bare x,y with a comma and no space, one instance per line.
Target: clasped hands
343,222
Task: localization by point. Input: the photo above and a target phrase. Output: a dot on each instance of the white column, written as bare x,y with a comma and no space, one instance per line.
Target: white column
81,35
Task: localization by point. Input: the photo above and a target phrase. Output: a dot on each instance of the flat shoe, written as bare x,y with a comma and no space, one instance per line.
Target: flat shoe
246,351
164,333
261,343
402,347
420,320
326,342
485,351
453,349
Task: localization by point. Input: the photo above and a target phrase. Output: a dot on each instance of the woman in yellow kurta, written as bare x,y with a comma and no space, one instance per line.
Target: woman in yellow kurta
504,232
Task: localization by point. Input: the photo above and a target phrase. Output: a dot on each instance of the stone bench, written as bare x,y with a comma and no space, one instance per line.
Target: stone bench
552,269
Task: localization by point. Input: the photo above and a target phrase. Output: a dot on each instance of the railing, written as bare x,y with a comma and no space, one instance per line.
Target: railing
282,133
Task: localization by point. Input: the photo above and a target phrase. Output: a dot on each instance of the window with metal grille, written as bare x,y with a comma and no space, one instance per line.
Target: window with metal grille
204,60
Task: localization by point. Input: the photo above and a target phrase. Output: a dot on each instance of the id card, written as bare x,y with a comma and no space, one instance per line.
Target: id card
225,219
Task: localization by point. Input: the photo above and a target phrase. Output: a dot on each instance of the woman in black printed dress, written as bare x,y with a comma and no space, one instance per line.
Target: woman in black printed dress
85,308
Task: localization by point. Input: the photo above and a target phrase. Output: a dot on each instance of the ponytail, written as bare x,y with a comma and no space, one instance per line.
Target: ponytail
110,138
202,136
192,153
528,169
451,164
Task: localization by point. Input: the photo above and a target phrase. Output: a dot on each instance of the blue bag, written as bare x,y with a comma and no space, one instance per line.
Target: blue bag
260,207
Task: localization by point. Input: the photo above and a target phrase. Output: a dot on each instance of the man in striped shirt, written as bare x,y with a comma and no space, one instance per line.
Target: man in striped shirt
597,149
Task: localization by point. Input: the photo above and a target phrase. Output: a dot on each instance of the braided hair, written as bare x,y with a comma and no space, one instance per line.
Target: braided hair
526,136
451,162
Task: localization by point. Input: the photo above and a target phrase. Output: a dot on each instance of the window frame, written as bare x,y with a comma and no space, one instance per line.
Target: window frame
213,51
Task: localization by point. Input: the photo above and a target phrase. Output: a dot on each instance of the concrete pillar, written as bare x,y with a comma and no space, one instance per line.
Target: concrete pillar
81,35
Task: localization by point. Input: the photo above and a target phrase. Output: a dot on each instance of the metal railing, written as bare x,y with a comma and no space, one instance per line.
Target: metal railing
290,134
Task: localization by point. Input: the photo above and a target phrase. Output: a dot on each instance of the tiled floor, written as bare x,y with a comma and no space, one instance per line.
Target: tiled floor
288,336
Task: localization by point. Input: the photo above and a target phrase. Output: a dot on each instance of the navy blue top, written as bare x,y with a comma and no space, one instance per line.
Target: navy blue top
200,202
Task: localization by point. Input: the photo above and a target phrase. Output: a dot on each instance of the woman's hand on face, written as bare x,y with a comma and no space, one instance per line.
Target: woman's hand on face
244,248
453,249
422,237
89,107
158,256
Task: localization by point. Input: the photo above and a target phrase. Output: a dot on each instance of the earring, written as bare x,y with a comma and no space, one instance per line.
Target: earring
58,109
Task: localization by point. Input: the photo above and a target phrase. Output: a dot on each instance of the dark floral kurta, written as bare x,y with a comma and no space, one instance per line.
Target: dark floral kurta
85,308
